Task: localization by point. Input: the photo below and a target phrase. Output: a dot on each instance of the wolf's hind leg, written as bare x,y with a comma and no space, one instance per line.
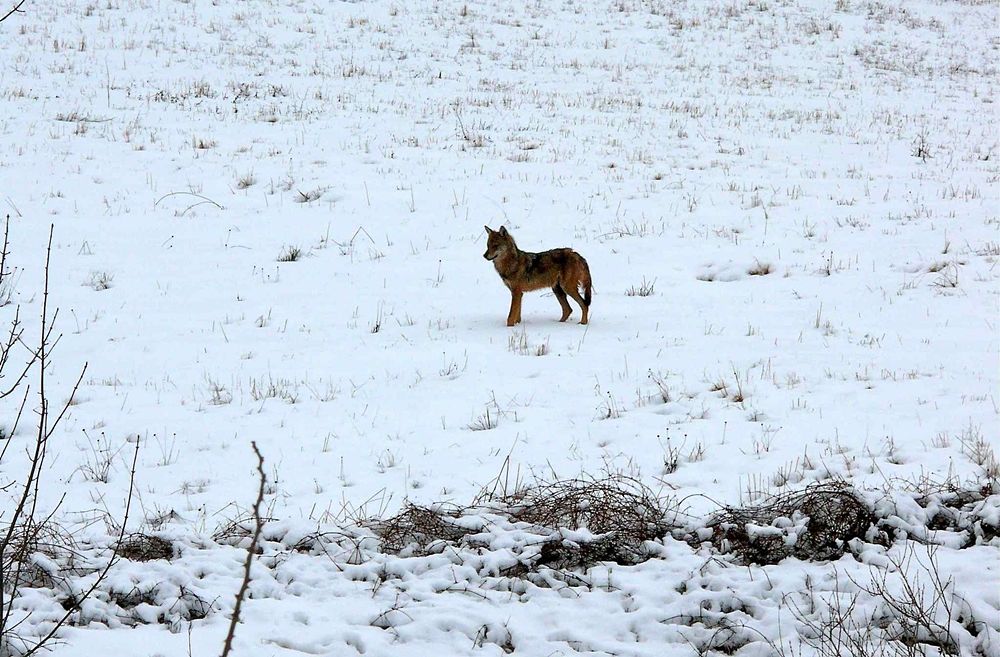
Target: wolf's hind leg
567,310
584,308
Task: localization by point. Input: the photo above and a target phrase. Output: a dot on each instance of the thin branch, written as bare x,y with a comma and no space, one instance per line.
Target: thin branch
251,550
42,440
24,511
4,252
68,403
17,421
37,455
15,10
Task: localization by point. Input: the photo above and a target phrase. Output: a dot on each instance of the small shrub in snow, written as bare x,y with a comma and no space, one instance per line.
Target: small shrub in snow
203,144
812,524
100,280
921,147
290,254
418,529
248,180
577,523
590,520
307,196
644,290
944,513
918,613
486,421
145,547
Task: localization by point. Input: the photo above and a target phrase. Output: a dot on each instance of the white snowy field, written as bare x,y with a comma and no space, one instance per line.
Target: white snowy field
268,226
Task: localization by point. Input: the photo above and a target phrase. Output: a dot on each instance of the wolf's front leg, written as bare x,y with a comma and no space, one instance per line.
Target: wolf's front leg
514,316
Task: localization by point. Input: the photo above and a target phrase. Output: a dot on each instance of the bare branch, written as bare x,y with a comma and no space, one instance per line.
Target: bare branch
251,550
38,454
16,9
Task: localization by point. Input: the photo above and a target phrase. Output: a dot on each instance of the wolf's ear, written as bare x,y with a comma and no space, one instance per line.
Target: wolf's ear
488,229
503,231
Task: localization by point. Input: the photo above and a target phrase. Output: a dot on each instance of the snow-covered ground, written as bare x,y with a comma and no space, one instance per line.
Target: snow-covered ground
268,226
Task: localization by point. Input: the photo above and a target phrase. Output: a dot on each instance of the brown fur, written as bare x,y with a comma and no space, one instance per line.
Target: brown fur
564,271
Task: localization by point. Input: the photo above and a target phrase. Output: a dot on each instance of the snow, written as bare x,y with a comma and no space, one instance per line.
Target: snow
809,188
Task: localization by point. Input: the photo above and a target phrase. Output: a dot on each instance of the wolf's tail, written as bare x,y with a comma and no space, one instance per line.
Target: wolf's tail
586,283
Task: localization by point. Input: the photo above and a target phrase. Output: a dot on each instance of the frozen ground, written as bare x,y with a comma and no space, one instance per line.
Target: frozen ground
269,227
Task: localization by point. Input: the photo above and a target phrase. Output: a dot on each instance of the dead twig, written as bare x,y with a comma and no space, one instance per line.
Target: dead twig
16,9
204,199
251,550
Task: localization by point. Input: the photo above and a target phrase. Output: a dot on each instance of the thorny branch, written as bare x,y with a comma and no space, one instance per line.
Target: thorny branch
251,550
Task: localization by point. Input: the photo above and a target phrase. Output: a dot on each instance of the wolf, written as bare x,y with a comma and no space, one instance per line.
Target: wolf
564,271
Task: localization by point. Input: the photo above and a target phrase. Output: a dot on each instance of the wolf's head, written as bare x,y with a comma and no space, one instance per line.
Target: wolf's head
497,243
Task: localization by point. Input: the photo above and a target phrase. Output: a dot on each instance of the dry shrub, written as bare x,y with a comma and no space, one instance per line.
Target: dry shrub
186,605
617,513
418,527
238,530
567,554
316,542
31,536
144,547
953,507
33,552
918,612
814,524
133,597
620,507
